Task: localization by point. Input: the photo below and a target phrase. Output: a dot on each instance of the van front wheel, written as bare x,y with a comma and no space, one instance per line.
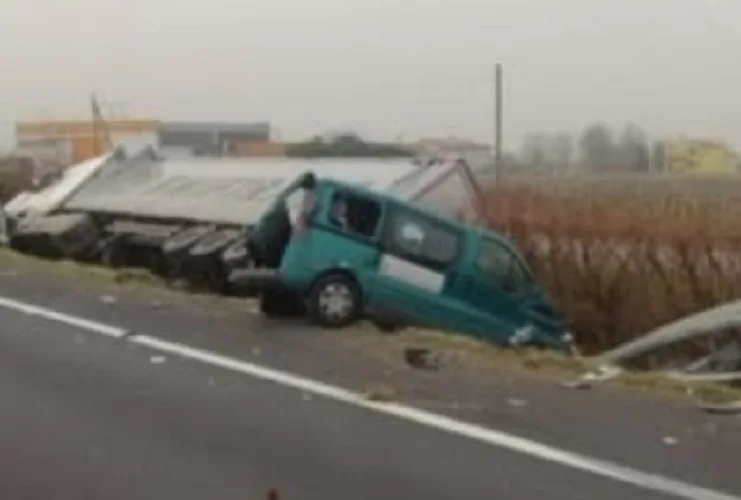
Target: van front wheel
334,301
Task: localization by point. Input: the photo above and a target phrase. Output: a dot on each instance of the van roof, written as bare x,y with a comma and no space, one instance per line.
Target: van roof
421,209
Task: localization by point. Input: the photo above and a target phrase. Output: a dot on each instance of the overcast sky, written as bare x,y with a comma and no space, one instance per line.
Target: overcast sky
384,68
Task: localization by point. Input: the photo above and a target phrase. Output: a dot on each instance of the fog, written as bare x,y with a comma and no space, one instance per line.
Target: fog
386,69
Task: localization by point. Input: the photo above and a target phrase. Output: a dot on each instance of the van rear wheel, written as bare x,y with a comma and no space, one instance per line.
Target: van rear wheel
334,301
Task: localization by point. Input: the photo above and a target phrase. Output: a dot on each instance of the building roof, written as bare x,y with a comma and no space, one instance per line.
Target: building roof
254,128
64,128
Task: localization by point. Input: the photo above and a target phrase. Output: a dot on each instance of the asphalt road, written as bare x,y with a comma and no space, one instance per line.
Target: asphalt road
85,416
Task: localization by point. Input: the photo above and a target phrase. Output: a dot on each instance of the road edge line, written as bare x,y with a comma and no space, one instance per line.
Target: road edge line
67,319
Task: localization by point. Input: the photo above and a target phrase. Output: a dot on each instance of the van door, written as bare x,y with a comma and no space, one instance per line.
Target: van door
417,254
503,296
342,234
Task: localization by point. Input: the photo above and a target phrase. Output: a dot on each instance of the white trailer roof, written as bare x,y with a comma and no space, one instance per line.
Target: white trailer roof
219,190
448,187
51,197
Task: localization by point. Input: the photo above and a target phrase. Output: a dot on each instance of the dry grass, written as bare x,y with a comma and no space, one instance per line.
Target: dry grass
137,281
619,262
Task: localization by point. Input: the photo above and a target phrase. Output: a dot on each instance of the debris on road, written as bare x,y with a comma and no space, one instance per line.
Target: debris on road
730,408
157,360
108,299
670,440
380,393
422,358
516,402
601,374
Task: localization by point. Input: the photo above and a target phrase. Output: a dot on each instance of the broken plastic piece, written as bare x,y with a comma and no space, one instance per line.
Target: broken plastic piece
603,373
732,408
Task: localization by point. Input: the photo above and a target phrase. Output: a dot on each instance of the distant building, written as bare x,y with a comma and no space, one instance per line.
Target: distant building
212,138
699,156
478,155
72,141
447,145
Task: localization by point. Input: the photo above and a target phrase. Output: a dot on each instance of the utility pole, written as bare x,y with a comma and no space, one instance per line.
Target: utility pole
498,110
94,113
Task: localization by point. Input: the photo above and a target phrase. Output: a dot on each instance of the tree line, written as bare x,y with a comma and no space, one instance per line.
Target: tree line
345,145
599,148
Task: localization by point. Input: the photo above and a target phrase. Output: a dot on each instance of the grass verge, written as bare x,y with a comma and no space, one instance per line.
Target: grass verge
463,350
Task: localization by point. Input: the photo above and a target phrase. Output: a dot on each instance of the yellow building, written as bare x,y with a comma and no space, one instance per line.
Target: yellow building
689,156
73,141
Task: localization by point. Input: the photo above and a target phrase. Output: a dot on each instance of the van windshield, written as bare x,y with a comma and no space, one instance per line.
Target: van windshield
502,265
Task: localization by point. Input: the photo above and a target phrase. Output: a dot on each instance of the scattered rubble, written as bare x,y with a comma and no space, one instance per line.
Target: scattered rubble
380,393
516,402
108,299
601,374
670,440
731,408
422,358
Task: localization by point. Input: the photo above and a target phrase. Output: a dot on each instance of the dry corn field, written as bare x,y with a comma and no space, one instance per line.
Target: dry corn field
623,255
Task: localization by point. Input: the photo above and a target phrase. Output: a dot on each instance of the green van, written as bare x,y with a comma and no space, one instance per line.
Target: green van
350,252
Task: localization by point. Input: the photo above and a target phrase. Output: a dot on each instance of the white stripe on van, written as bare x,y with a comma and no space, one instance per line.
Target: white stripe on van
411,273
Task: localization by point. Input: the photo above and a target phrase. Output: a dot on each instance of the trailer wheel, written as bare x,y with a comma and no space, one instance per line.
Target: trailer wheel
334,301
235,254
181,241
213,242
113,254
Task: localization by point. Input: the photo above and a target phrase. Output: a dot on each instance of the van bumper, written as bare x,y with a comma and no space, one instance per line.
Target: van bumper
254,277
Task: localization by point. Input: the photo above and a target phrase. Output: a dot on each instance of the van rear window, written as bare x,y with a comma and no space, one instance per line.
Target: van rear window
354,214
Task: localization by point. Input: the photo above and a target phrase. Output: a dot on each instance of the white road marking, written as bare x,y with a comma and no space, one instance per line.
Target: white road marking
68,319
501,439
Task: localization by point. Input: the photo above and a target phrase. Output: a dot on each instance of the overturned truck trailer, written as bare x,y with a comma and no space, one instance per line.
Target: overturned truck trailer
189,218
26,222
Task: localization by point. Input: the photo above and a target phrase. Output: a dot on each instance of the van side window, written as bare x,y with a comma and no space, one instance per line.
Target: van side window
499,263
418,239
354,214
